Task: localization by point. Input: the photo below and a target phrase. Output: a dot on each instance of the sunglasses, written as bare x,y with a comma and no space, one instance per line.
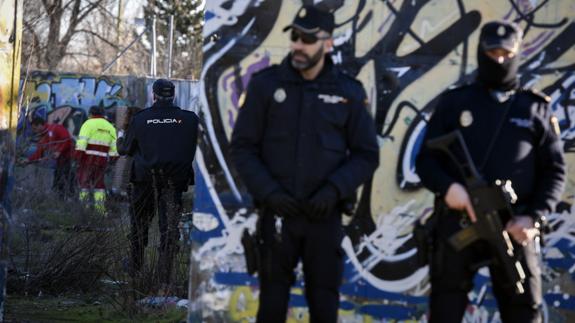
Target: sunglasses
307,39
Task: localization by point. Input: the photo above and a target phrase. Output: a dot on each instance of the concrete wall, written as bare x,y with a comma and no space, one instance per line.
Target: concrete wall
406,53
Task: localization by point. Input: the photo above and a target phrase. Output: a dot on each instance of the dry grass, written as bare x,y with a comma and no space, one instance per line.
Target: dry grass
59,247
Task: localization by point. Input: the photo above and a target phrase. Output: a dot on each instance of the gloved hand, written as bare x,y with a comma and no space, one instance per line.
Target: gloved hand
522,229
283,204
323,202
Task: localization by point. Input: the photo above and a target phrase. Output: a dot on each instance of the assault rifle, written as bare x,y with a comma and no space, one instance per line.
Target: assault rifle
490,203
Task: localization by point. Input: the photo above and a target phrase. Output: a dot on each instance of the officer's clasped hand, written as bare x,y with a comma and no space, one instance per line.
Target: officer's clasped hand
283,204
323,202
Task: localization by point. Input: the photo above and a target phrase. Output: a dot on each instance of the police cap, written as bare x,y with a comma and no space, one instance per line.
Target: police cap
164,88
501,34
310,20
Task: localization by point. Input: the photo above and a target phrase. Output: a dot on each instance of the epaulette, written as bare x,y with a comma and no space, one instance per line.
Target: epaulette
537,94
350,77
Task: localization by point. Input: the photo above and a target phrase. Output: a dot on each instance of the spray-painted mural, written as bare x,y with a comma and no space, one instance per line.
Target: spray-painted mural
66,98
406,52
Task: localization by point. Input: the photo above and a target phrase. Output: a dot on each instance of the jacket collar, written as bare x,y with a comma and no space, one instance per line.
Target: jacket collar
163,104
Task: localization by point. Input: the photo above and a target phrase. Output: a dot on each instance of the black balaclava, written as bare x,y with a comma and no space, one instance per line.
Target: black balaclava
495,75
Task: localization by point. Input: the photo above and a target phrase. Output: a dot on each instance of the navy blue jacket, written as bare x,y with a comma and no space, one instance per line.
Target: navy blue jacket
528,150
162,137
297,135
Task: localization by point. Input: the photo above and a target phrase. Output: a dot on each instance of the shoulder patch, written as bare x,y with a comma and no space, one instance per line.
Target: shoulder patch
537,94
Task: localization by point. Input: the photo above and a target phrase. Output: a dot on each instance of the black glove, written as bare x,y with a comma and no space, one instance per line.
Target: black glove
282,204
323,202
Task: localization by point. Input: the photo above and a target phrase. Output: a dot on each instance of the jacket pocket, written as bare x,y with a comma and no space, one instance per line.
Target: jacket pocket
334,142
333,114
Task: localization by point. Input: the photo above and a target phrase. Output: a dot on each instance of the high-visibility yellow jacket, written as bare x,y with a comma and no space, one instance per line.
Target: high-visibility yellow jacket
96,142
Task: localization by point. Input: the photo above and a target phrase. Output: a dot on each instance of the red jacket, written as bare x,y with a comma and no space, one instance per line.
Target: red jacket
55,138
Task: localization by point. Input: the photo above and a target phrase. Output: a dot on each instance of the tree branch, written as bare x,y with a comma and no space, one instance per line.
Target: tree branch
80,54
90,32
89,9
46,5
33,32
78,15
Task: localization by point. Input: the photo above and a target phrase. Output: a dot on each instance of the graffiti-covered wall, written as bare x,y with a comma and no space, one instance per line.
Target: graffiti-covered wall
65,98
406,52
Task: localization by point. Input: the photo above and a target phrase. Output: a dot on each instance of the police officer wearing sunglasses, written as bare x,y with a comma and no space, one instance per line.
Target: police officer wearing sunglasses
303,142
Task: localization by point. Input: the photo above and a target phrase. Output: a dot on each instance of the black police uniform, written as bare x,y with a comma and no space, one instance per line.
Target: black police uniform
162,140
296,136
527,151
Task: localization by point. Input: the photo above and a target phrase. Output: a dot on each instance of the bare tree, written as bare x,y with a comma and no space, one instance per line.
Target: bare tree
52,25
80,36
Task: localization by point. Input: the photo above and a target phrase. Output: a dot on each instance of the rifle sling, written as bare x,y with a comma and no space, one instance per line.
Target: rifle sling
497,132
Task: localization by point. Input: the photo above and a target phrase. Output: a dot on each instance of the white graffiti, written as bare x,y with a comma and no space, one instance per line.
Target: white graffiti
83,92
410,175
565,114
429,27
225,253
400,71
563,225
225,17
392,231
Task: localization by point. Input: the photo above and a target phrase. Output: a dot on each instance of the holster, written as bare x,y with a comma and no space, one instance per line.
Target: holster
251,252
251,244
424,235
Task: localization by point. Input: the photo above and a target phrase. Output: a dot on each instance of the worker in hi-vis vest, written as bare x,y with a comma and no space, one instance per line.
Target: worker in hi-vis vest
96,146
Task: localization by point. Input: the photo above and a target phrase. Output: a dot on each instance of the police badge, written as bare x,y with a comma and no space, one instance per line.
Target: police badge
280,95
466,118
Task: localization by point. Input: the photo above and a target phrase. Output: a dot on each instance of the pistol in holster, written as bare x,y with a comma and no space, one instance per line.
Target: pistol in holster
424,235
251,243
